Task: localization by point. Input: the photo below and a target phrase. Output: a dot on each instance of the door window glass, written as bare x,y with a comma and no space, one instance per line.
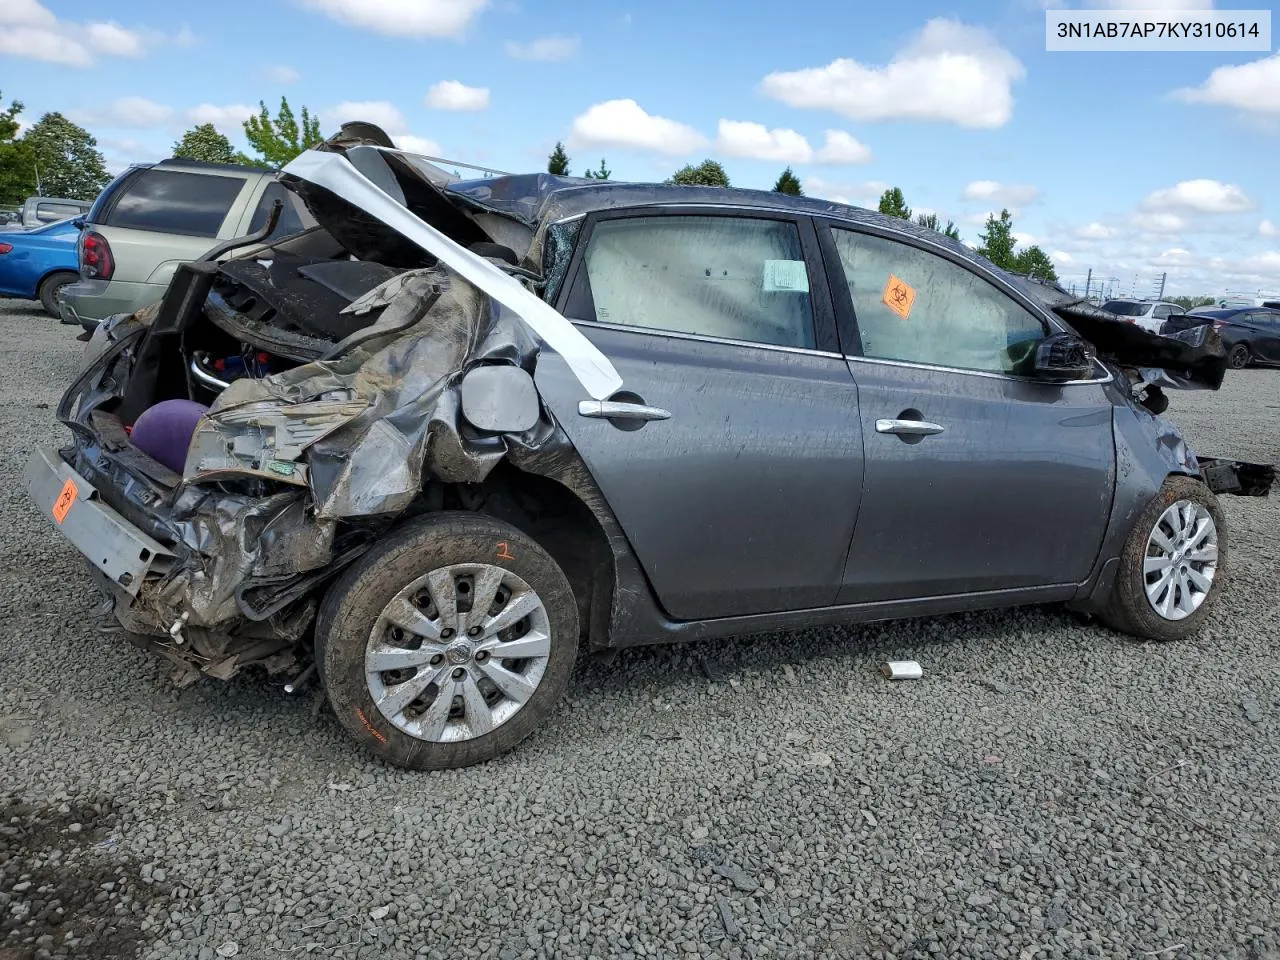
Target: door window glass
730,277
52,212
294,217
918,307
169,201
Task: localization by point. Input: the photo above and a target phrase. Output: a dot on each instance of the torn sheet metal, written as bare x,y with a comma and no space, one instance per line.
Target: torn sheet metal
334,173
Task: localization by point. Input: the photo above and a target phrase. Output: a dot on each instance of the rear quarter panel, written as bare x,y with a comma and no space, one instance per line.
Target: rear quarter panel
34,256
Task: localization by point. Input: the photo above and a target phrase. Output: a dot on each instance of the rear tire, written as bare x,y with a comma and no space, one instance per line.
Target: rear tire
469,703
1159,592
50,287
1239,357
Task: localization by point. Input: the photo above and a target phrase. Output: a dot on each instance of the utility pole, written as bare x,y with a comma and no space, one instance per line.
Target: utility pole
1163,277
1087,281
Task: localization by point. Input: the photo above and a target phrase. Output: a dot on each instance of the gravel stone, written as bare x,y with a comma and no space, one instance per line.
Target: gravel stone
1129,804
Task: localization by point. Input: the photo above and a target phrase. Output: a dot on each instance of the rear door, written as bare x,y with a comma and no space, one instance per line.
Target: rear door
1265,335
743,499
976,480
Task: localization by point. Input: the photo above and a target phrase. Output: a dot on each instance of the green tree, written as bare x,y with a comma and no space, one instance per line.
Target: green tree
1034,262
558,162
931,221
996,243
893,204
603,173
708,174
204,142
68,163
279,140
788,183
1190,303
17,171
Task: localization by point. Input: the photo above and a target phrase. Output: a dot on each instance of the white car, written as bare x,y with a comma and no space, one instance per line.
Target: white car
1148,314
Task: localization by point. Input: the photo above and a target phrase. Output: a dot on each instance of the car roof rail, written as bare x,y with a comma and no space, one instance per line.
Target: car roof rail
212,165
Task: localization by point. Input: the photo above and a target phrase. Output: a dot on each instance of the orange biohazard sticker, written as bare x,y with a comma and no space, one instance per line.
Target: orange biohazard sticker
66,500
899,296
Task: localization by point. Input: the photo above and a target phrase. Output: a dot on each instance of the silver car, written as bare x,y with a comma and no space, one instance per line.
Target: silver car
155,217
455,433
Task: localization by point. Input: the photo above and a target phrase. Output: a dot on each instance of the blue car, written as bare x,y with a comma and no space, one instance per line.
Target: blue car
37,264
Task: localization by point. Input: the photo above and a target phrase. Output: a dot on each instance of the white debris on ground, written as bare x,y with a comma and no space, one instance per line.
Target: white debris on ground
1051,790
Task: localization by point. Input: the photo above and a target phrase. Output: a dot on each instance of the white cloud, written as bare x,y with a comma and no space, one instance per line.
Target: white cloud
379,112
624,123
1159,222
949,72
133,112
401,18
30,30
1024,239
407,141
385,115
544,48
863,194
1095,231
1061,258
738,138
1268,229
1252,87
842,148
452,95
1004,194
283,73
1199,196
113,39
227,118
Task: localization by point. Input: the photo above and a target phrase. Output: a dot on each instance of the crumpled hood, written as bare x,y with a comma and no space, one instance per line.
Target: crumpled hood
1193,359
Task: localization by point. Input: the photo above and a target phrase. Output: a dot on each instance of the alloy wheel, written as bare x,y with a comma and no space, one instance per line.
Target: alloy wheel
458,652
1181,560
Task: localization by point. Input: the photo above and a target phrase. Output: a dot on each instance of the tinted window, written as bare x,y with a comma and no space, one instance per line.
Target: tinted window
294,218
729,277
1161,312
51,212
169,201
916,306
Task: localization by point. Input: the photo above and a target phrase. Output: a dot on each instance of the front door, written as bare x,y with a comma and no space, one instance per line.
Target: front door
734,463
976,479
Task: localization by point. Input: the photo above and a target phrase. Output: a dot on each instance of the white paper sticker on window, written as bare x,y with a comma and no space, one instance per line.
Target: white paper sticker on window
785,276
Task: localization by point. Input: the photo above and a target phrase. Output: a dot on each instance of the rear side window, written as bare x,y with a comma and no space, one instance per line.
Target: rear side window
169,201
52,212
294,218
915,306
727,277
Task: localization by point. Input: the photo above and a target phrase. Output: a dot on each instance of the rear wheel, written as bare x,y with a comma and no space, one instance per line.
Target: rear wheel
448,643
51,286
1173,565
1239,356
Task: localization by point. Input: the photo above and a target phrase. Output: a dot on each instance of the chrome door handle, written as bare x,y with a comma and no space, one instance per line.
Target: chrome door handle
908,428
617,410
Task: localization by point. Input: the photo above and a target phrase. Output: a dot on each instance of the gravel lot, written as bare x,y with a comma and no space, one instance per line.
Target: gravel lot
1049,789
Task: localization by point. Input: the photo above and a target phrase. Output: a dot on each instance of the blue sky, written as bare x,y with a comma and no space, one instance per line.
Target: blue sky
1130,163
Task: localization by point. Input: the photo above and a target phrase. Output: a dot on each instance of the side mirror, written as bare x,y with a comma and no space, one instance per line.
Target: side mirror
1060,357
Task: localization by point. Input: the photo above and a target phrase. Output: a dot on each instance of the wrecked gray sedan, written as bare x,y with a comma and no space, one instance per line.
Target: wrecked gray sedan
432,445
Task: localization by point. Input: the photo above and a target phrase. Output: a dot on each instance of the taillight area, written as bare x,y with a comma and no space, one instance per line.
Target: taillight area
5,248
1219,324
96,261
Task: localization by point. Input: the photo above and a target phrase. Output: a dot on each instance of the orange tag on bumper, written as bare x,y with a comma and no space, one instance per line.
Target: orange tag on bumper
898,296
66,500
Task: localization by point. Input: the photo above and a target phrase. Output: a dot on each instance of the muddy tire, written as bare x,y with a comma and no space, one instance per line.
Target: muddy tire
448,643
1173,565
1239,357
51,286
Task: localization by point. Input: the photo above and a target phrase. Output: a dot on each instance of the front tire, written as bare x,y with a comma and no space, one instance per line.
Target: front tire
1239,356
50,287
448,643
1172,568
